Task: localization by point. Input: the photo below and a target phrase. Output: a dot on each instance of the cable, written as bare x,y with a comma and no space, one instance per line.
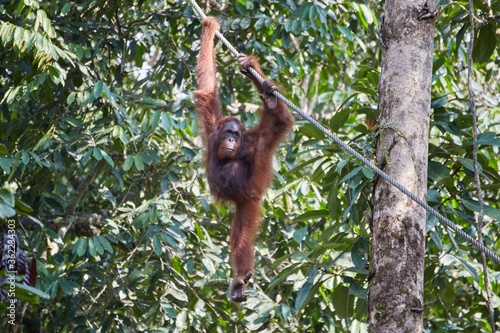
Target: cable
492,255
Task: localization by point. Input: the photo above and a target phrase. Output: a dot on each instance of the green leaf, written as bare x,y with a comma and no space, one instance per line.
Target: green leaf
18,37
153,102
68,286
346,32
460,35
6,197
351,174
44,139
66,8
155,120
469,164
437,171
98,246
157,246
439,102
359,253
29,294
166,122
448,294
436,239
470,269
325,97
97,153
6,211
489,139
259,24
108,158
312,131
342,302
3,149
333,199
306,290
299,235
7,203
11,95
368,173
6,163
241,9
311,215
284,311
302,12
87,157
284,274
23,207
105,243
25,157
58,159
177,293
107,94
97,91
81,247
357,290
339,119
92,248
485,44
139,162
128,163
366,13
75,122
245,23
6,32
488,210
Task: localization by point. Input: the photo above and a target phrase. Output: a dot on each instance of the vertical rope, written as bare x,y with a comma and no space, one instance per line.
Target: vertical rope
477,180
200,12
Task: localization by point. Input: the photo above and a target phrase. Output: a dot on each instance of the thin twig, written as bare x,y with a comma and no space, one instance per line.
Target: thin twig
490,11
472,109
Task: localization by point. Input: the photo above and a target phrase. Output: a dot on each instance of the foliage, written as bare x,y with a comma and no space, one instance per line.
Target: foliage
98,132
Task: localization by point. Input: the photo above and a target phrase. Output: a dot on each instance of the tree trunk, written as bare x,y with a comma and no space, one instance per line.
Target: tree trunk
397,264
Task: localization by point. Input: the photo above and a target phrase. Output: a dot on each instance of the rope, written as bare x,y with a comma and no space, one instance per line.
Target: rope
224,41
492,255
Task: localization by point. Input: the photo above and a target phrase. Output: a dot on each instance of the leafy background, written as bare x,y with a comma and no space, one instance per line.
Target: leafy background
98,132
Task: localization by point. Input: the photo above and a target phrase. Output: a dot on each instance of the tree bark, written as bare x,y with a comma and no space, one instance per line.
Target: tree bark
397,264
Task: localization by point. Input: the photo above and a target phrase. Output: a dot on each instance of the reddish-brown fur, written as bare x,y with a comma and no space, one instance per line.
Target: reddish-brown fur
244,179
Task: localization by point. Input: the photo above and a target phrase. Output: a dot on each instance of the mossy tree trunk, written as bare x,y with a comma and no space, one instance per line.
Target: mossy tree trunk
398,226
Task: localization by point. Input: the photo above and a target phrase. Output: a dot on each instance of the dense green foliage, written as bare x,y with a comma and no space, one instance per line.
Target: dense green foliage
97,129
